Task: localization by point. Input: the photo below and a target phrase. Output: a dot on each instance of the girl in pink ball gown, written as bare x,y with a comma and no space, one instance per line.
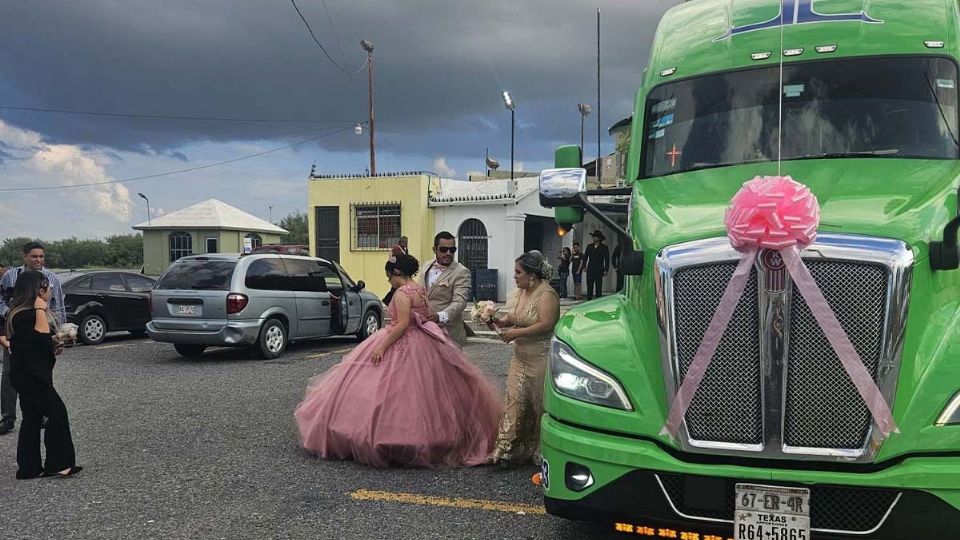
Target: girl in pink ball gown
406,396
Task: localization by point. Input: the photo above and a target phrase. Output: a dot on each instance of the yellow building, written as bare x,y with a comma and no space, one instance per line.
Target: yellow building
356,220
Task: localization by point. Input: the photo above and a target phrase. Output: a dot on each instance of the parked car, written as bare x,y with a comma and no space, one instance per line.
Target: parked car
261,300
287,249
102,302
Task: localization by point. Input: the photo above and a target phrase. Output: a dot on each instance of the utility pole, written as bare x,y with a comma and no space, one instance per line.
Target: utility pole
599,155
368,46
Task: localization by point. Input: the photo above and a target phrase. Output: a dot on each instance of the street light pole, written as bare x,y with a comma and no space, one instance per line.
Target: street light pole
144,197
509,103
584,109
368,46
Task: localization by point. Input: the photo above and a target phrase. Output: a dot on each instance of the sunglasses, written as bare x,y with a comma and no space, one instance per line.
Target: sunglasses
447,249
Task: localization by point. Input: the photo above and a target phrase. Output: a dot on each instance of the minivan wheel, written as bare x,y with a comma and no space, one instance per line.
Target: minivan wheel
369,326
92,329
189,351
273,339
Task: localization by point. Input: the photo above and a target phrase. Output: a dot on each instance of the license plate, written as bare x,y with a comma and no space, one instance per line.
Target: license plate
772,513
187,309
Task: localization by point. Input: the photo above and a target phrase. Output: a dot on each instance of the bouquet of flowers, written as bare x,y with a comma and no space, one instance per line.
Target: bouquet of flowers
483,312
67,333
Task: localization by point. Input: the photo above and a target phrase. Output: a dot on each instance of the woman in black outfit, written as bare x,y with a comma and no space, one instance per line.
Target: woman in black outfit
33,355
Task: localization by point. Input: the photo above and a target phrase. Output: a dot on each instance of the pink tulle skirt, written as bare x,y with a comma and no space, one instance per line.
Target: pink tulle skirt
425,404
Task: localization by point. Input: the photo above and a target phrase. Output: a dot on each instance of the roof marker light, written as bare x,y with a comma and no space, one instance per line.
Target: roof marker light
760,55
793,52
826,48
934,44
668,72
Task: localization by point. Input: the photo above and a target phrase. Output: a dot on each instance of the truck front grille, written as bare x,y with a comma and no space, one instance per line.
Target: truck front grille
775,386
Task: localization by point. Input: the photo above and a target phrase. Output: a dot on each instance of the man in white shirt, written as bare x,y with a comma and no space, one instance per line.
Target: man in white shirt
448,287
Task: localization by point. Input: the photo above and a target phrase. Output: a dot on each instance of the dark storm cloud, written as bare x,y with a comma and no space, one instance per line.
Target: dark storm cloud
440,67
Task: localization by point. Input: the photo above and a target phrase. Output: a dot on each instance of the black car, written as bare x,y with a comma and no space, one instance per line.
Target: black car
101,302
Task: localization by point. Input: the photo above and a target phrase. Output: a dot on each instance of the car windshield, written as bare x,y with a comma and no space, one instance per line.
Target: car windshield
865,107
198,275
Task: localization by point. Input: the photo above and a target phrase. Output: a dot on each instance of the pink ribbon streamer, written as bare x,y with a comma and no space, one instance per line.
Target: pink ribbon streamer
708,346
838,339
776,213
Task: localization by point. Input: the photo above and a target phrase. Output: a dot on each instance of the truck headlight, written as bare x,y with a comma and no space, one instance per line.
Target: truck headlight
575,378
951,413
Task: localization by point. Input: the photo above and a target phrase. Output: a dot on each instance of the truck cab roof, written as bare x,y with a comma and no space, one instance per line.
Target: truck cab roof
704,36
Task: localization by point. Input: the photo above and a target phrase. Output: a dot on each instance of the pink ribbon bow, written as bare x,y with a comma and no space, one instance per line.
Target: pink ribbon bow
776,212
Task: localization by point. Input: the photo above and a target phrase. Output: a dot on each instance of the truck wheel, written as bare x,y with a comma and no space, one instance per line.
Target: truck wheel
92,329
369,326
273,339
190,351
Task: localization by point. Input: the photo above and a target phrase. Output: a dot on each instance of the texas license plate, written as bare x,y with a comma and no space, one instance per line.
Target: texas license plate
190,309
772,513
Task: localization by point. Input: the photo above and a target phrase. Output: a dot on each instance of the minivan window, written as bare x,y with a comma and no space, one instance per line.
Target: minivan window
891,107
267,274
306,275
331,278
198,275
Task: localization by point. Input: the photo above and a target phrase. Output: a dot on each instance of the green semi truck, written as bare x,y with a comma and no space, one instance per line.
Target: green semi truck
858,100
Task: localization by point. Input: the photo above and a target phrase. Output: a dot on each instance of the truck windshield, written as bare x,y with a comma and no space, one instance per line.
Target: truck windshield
860,107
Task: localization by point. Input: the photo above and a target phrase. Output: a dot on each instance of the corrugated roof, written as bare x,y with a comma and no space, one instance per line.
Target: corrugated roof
211,214
483,192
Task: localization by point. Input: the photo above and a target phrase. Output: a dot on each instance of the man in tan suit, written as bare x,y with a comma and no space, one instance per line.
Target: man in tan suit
448,287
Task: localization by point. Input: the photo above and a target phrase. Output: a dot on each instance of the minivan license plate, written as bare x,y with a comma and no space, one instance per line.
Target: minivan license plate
186,309
772,513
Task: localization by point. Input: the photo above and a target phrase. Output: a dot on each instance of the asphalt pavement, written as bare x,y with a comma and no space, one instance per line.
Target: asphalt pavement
177,448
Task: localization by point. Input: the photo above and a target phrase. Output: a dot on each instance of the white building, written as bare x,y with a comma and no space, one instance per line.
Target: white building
495,221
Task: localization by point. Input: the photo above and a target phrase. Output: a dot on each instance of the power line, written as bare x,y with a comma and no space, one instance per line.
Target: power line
179,171
333,29
172,117
322,48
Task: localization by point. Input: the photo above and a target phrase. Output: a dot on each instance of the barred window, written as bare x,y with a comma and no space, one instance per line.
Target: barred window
375,226
181,245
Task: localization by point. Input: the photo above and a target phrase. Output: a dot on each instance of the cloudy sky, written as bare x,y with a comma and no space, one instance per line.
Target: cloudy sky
440,66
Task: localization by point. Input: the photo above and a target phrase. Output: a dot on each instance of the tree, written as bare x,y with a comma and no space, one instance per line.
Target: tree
119,251
296,224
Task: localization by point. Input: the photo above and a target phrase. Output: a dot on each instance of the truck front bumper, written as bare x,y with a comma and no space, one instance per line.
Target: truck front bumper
637,487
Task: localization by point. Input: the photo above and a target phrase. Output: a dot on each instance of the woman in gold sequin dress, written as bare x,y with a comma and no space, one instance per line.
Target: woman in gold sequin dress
532,311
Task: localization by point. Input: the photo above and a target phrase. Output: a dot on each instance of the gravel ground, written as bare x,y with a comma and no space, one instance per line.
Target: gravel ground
175,448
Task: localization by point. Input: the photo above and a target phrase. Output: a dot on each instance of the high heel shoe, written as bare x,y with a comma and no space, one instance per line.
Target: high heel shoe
57,474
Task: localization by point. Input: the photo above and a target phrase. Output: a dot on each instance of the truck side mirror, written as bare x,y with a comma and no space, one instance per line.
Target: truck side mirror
945,255
562,187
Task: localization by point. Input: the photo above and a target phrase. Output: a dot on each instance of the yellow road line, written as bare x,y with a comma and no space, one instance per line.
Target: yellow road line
102,347
427,500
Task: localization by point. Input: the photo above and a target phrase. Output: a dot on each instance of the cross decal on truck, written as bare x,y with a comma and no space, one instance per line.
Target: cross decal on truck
799,12
673,155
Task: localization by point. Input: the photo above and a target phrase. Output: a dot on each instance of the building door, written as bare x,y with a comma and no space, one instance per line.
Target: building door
328,232
472,245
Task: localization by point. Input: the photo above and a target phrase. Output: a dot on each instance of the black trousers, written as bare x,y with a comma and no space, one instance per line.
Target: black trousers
8,396
563,283
594,283
36,402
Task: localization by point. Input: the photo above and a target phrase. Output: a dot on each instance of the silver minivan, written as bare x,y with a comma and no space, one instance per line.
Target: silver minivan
261,300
